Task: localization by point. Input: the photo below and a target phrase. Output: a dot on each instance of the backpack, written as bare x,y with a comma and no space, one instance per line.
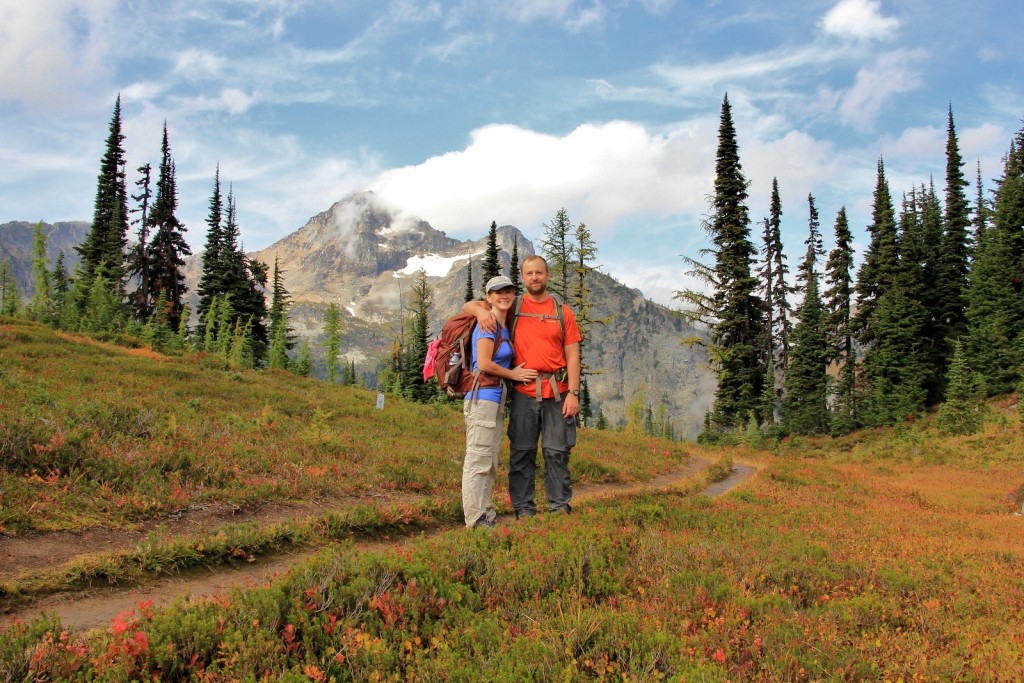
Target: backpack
449,358
559,313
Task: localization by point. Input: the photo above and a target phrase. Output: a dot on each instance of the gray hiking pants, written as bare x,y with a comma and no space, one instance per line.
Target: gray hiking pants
529,421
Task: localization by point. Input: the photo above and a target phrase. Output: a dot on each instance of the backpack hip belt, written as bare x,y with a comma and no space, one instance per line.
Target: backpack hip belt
559,375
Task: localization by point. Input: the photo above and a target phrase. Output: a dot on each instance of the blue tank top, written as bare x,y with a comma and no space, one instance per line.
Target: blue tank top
502,358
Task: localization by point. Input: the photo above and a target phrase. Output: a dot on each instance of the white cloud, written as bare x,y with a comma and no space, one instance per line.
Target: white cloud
859,19
891,74
921,143
599,173
230,100
525,11
659,282
588,18
196,64
51,52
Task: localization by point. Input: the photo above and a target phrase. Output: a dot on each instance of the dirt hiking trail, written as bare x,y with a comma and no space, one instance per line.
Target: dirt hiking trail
82,611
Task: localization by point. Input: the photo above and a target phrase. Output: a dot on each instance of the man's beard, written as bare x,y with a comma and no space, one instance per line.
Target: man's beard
537,288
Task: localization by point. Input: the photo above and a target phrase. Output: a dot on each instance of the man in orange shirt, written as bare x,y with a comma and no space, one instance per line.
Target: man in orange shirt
545,408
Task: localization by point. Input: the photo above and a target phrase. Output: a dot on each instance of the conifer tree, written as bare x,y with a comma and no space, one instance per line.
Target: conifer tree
896,362
138,256
10,297
225,326
995,300
514,266
168,248
982,212
805,408
243,279
240,354
181,339
416,349
777,289
963,411
101,306
733,312
492,261
586,411
581,295
61,289
304,361
925,260
953,278
470,294
107,237
332,346
878,269
558,251
42,299
838,331
213,279
282,339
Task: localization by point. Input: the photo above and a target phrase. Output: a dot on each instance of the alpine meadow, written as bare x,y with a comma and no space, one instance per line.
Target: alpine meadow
872,398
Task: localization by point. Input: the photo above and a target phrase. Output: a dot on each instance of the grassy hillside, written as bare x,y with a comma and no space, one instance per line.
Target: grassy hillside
887,555
96,434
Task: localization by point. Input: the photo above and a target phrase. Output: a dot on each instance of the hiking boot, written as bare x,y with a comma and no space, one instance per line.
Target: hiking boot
489,519
523,514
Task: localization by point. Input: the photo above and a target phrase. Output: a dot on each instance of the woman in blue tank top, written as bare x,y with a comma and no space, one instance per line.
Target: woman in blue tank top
484,407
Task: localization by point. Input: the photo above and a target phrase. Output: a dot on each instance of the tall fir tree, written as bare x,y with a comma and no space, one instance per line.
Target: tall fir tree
138,263
995,312
61,290
282,339
838,330
416,348
927,287
558,251
470,292
514,266
105,243
492,256
213,279
42,299
243,280
896,362
880,262
168,247
954,268
777,297
10,297
733,312
805,409
581,299
774,274
332,345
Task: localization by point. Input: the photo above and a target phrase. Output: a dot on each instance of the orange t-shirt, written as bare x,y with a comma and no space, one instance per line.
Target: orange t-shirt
538,342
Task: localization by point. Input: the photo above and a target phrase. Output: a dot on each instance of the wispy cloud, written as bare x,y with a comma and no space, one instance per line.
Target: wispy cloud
53,52
891,74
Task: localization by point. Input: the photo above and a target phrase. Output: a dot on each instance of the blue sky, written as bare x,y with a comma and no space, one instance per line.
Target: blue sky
466,112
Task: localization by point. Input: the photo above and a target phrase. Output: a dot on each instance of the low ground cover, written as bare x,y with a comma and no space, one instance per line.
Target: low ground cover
815,570
886,555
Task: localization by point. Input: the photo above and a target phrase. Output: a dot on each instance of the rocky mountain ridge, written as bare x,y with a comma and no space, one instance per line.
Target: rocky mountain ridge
364,258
